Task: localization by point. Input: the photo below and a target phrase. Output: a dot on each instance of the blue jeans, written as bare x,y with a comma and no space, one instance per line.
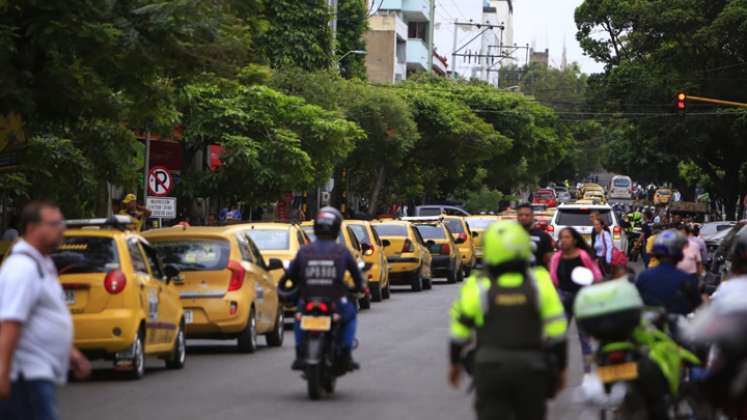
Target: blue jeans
30,400
567,298
349,319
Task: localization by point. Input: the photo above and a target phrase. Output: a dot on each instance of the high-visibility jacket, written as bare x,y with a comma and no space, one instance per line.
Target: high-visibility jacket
473,307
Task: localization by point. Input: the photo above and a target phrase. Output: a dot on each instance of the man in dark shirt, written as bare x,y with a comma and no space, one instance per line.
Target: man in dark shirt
542,246
318,271
665,285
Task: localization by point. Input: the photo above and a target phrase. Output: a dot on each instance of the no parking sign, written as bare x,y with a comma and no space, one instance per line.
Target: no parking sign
160,181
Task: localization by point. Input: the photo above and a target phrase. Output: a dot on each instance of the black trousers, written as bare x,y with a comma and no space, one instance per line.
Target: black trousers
510,391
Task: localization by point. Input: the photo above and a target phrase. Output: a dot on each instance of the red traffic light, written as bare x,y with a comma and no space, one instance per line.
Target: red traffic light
681,101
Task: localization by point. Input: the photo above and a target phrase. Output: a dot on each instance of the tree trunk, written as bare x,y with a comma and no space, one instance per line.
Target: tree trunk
373,204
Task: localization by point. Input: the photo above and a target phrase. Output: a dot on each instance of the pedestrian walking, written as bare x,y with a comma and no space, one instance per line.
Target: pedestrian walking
603,245
574,252
36,330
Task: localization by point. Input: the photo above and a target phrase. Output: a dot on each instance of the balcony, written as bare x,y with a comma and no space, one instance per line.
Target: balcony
417,54
413,10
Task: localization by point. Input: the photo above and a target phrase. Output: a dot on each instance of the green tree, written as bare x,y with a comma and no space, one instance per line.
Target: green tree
654,48
352,24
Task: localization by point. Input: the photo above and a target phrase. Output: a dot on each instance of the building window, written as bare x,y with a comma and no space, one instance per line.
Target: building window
417,30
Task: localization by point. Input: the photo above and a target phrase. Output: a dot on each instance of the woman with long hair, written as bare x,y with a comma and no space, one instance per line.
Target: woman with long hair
574,252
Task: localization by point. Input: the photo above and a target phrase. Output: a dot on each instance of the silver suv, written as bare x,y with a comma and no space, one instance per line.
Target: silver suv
578,216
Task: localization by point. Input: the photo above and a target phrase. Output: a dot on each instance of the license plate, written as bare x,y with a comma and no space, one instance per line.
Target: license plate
613,373
316,323
188,316
70,297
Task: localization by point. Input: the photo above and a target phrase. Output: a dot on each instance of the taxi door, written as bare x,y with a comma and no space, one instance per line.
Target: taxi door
169,303
149,291
257,277
268,284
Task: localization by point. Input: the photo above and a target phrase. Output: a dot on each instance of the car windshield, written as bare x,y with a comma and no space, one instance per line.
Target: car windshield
309,230
581,217
455,226
429,211
194,254
361,233
271,239
431,231
391,230
480,224
80,254
665,192
621,183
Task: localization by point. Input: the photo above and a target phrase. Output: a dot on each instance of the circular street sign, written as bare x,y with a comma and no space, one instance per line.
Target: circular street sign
160,181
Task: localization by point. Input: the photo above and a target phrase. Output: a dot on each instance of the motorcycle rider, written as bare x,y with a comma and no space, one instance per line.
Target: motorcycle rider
318,271
722,327
665,285
520,329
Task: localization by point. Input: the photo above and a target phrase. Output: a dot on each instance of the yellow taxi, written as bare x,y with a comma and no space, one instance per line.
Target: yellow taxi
227,289
277,240
596,196
446,261
479,224
662,196
377,267
465,240
407,254
348,238
590,186
123,300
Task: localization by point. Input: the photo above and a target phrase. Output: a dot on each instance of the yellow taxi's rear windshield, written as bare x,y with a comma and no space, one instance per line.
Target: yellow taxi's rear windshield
271,239
361,233
194,254
455,226
391,230
431,232
80,254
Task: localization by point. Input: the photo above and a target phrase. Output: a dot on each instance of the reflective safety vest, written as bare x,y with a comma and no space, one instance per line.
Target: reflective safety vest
515,312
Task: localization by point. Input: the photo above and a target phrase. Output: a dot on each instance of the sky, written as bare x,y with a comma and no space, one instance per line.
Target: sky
541,23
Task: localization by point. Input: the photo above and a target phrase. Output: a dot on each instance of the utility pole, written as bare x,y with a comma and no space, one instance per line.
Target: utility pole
333,23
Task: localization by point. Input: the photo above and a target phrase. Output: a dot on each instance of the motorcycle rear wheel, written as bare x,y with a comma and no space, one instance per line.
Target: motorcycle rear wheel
314,381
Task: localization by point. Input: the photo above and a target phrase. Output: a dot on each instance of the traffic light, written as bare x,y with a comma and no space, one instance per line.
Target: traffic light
681,101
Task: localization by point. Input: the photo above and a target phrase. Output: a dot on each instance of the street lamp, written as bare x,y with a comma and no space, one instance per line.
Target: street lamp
356,52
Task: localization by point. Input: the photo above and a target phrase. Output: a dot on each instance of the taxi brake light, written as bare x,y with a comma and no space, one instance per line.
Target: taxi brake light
323,307
369,251
237,276
309,306
115,282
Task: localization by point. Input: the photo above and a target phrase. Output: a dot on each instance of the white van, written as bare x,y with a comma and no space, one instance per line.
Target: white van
621,187
578,216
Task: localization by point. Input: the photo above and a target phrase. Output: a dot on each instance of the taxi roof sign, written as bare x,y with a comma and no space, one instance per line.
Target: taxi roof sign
117,221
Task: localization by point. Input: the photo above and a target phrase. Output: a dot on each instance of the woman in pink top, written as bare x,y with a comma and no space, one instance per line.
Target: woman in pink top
574,252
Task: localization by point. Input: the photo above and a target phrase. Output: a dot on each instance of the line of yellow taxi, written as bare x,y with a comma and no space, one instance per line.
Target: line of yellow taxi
136,295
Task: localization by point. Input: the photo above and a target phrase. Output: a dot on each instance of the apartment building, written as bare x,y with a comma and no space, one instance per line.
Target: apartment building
400,41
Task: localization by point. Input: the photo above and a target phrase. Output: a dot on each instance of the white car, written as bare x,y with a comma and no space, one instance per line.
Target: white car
578,216
621,187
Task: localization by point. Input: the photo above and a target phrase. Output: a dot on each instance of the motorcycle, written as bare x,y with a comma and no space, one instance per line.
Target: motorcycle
322,353
639,368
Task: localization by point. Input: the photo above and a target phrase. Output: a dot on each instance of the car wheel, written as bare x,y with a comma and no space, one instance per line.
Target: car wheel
376,294
247,340
427,284
451,276
179,353
386,293
276,336
417,282
138,357
460,276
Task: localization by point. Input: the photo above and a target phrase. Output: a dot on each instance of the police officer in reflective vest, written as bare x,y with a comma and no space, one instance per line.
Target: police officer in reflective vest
516,319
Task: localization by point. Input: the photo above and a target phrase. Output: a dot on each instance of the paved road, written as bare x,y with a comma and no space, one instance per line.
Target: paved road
403,352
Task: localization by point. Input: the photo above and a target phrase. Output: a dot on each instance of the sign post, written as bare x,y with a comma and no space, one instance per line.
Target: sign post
161,207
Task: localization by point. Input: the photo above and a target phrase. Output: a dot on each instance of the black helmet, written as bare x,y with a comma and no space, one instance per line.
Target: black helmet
670,243
327,223
738,252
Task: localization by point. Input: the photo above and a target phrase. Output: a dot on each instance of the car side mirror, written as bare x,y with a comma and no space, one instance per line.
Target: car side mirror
172,274
475,234
386,243
365,247
275,264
